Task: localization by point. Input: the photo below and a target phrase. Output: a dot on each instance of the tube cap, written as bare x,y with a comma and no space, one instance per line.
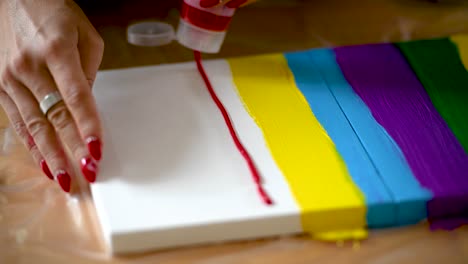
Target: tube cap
150,34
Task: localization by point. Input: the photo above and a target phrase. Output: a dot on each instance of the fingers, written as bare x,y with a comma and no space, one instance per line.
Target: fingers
20,128
38,127
41,84
17,122
67,72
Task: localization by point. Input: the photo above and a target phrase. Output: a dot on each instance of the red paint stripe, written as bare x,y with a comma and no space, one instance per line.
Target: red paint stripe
204,19
253,170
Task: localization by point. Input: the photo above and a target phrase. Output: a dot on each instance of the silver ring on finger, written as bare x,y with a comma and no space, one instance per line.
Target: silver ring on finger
49,101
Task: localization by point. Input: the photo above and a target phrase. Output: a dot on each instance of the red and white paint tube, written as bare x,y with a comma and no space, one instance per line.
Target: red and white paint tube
203,29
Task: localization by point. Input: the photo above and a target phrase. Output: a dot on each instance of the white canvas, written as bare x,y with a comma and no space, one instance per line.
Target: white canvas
171,174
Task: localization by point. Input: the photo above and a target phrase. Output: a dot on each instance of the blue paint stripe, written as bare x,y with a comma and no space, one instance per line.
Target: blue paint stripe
409,195
381,210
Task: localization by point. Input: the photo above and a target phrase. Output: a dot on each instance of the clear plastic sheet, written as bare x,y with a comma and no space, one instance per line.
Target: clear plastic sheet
40,224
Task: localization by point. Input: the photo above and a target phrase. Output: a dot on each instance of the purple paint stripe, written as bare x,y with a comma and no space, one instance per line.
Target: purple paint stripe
381,76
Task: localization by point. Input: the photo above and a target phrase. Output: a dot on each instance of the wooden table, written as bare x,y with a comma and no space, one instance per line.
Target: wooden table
39,224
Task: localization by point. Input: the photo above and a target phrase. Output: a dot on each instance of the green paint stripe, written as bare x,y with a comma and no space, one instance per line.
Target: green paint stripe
439,68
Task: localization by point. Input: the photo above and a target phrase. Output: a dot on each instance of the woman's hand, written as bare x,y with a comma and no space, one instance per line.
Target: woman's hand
50,46
228,3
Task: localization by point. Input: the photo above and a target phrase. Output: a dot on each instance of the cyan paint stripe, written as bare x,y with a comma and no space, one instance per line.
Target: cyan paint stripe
410,197
381,210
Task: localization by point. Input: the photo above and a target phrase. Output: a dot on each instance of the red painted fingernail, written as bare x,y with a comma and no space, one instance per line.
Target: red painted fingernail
89,168
46,169
64,180
209,3
95,148
235,3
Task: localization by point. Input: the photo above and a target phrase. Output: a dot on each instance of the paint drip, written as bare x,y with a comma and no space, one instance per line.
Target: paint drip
253,169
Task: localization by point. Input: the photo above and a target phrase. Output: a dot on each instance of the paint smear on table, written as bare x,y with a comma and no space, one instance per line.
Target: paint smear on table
332,206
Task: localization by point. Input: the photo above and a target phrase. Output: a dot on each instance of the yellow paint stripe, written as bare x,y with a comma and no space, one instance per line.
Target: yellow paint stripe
332,206
461,41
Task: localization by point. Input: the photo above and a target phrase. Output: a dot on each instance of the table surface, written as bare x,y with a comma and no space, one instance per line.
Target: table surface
39,224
